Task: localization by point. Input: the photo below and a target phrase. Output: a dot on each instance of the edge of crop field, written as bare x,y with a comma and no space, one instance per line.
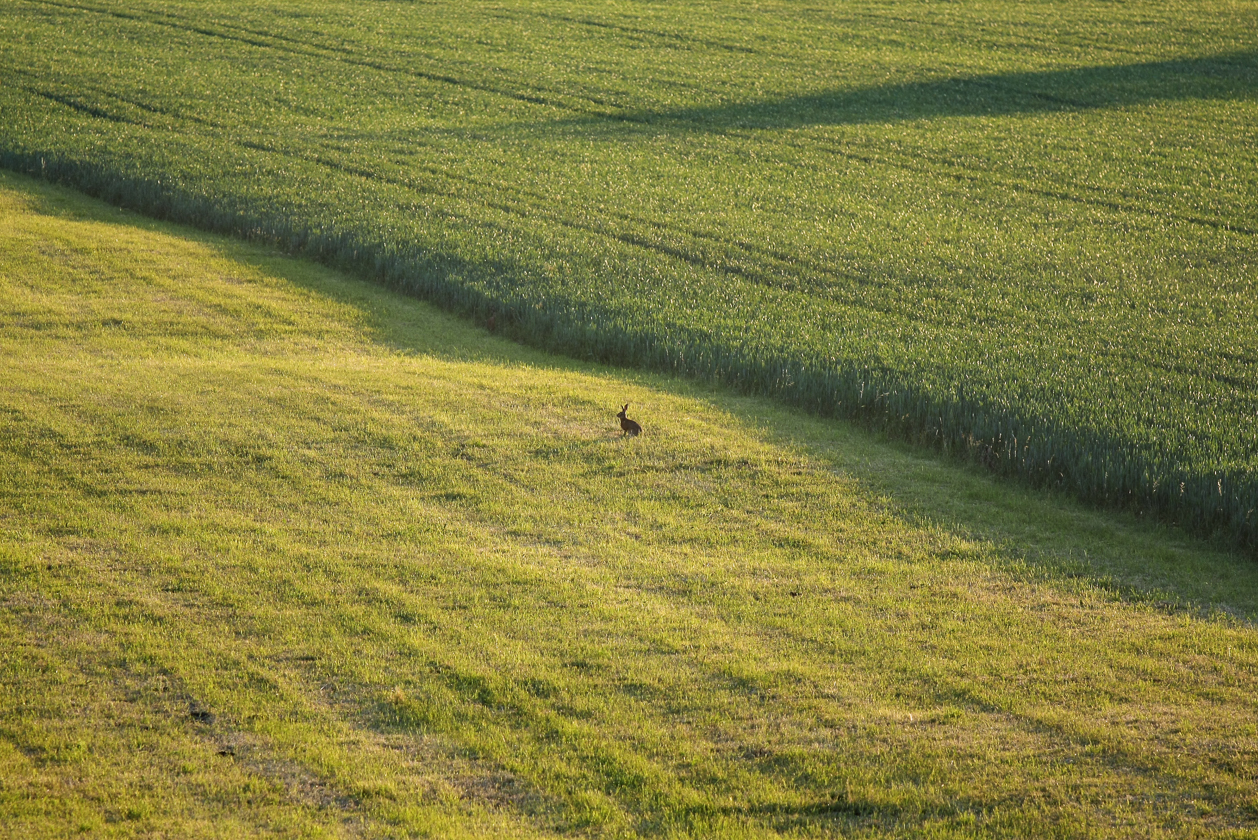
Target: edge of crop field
1097,469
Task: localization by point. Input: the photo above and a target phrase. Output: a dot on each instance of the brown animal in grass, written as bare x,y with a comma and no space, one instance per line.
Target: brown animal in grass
627,426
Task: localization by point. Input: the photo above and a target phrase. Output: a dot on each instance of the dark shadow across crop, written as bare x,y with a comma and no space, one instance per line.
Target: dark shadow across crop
1225,76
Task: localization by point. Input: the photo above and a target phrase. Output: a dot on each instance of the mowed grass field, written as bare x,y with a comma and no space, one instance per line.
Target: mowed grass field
1021,231
283,553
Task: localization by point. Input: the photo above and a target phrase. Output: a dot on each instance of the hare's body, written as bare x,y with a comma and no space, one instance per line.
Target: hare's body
627,426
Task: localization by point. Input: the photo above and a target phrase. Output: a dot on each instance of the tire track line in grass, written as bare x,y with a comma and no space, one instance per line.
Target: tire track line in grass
534,205
959,174
33,87
1104,744
966,175
167,692
988,178
648,34
774,273
340,55
1090,37
780,264
75,105
606,106
533,211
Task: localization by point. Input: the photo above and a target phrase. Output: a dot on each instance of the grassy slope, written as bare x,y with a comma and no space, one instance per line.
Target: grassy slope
989,221
282,553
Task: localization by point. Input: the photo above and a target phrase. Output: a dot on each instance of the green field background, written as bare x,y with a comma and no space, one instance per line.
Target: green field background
1025,232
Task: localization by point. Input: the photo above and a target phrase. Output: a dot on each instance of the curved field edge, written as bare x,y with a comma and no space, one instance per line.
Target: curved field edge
561,293
1095,468
283,553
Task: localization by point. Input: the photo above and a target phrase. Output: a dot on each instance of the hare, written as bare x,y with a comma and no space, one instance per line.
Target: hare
627,426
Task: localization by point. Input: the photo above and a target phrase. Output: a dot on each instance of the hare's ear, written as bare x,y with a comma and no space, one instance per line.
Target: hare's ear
626,408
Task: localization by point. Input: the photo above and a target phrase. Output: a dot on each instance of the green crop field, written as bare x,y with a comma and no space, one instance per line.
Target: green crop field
1024,232
286,554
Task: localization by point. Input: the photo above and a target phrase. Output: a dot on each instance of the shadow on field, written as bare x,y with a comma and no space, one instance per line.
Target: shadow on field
1029,531
1226,76
1041,533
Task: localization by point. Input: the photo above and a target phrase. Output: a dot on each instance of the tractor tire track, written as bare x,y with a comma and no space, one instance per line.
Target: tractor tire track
340,55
